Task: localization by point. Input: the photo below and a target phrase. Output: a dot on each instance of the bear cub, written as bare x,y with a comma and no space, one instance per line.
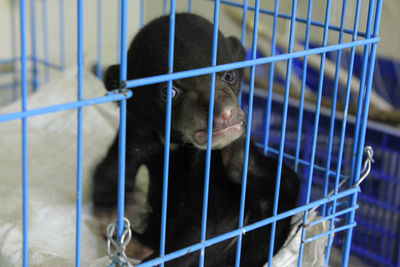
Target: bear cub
148,56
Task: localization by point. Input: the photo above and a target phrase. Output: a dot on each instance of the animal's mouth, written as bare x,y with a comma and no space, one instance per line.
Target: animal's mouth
220,137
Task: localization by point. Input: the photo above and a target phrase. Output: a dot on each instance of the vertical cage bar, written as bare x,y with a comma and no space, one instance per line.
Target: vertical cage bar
141,15
99,39
243,40
165,7
119,30
122,131
271,80
344,123
398,227
190,6
80,136
24,88
248,133
333,110
35,81
209,132
303,88
283,131
395,193
357,127
315,134
350,218
244,17
362,89
62,35
45,41
14,51
171,43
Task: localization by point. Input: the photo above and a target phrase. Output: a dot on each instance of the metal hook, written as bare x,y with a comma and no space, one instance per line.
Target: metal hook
367,165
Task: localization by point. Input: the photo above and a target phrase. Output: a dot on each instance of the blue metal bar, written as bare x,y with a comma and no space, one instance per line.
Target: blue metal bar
364,114
209,132
119,30
333,109
35,82
244,16
41,61
243,41
287,16
396,191
314,143
80,135
302,161
344,122
190,6
62,36
14,50
245,63
112,96
247,228
122,128
283,132
16,59
359,110
12,60
45,39
330,232
346,248
271,79
362,88
332,216
141,18
49,64
248,133
8,86
303,87
165,7
24,88
171,43
99,40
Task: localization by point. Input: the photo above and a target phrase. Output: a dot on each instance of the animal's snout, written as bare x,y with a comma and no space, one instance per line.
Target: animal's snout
227,114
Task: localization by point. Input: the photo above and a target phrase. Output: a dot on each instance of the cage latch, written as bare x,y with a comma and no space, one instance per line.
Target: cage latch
118,256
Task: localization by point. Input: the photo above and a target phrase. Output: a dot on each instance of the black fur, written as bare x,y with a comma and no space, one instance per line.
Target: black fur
147,56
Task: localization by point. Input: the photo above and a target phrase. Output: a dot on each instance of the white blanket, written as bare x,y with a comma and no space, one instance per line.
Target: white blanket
52,175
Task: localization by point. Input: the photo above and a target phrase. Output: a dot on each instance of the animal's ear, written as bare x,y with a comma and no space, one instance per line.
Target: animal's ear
237,48
111,78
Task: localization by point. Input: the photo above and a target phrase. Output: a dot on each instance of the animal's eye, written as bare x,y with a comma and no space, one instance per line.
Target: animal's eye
230,76
174,92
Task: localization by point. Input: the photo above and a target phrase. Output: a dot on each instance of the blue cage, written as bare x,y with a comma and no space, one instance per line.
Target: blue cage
325,145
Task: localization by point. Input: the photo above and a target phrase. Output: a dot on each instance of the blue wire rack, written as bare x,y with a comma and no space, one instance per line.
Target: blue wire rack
322,146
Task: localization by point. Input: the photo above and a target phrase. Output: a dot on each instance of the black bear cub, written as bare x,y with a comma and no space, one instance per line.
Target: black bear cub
148,56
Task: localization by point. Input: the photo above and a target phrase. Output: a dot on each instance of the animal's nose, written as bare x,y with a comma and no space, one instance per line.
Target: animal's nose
227,114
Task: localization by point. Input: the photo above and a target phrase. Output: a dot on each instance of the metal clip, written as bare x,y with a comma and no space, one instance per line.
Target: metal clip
119,257
367,165
365,171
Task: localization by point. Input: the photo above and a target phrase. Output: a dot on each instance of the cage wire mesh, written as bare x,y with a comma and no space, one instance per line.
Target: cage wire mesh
338,139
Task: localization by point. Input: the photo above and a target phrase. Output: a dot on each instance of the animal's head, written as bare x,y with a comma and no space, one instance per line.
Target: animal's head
148,56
